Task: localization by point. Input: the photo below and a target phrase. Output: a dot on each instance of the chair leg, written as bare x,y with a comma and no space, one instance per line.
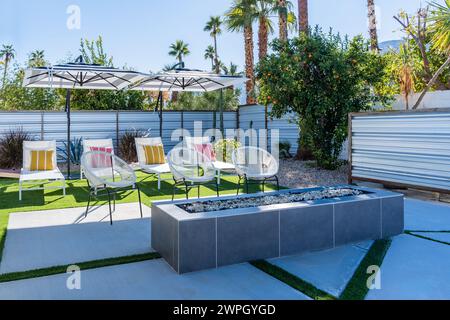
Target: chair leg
263,185
159,181
246,185
20,191
173,189
239,186
139,197
187,191
217,190
198,191
109,203
114,202
278,183
87,207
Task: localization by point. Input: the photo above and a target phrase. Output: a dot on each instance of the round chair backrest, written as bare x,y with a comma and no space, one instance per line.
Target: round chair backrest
106,169
254,162
190,165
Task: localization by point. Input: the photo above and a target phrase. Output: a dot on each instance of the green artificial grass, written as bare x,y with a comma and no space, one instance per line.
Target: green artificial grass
7,277
77,196
411,233
356,288
292,280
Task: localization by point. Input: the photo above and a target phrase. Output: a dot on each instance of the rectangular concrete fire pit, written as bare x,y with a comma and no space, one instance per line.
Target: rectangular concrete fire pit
196,241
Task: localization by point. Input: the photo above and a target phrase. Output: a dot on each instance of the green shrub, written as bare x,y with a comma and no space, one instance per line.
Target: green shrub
224,149
284,148
76,151
127,144
321,78
11,148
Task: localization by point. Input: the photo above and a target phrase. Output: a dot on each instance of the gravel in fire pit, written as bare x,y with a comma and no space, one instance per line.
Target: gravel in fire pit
256,201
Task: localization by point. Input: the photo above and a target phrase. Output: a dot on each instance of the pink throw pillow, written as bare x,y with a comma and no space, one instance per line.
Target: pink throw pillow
207,150
101,160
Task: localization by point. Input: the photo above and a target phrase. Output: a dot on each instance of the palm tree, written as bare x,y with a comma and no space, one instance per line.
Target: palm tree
372,25
179,49
406,74
7,53
286,18
440,29
213,27
231,70
303,16
36,58
240,18
210,54
264,9
282,19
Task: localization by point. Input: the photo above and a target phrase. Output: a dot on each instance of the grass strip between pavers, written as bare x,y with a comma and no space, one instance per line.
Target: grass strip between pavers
356,288
427,238
14,276
292,280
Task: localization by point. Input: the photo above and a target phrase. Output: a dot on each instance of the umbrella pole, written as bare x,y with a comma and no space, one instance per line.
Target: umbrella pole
222,129
68,131
160,103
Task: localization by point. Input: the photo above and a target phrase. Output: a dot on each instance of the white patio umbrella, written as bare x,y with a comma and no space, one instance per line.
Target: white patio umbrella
189,80
79,75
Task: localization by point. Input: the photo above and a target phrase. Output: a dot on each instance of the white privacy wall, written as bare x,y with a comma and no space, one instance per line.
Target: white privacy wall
432,100
410,148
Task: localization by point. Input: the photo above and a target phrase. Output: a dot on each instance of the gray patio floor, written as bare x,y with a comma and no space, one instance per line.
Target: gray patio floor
413,268
328,270
59,237
155,280
440,236
426,215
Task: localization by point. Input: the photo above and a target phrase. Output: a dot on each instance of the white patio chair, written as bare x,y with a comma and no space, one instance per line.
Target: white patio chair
29,176
96,143
191,169
152,169
218,165
255,165
107,172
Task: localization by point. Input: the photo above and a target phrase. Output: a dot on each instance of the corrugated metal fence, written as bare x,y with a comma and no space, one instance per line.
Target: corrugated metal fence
48,125
402,148
255,117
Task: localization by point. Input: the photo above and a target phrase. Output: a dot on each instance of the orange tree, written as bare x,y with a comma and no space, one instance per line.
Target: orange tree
321,77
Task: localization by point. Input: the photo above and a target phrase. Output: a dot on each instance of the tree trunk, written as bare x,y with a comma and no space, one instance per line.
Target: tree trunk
263,35
249,67
303,16
372,25
304,152
431,83
216,56
282,20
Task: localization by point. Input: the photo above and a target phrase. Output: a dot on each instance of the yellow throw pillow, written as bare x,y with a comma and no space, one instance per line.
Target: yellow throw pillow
41,160
154,154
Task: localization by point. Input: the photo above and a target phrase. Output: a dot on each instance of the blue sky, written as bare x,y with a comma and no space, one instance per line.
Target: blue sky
138,32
